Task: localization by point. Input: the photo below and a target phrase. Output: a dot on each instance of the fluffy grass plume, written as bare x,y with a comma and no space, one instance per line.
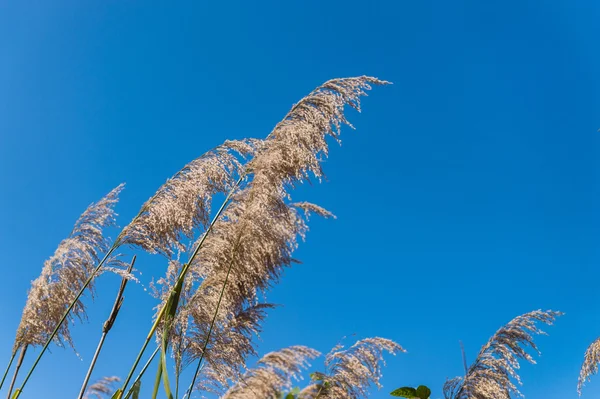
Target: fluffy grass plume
64,274
274,373
492,373
351,372
183,203
253,240
590,364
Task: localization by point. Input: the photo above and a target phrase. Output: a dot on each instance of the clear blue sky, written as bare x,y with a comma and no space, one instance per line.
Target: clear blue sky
468,194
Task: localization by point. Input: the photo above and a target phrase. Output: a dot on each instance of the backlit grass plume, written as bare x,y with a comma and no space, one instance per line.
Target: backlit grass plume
351,372
492,373
254,239
182,204
590,364
249,242
274,373
64,274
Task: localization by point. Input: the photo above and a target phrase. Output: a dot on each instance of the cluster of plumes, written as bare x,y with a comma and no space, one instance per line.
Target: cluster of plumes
182,204
101,388
64,274
253,240
274,374
492,372
590,364
351,372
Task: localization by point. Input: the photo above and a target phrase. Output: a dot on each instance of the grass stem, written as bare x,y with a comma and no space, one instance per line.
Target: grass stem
12,358
182,275
19,363
106,328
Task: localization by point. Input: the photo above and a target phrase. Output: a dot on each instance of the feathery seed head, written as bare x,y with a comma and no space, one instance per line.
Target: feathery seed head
350,372
274,373
492,372
182,204
64,274
590,364
254,238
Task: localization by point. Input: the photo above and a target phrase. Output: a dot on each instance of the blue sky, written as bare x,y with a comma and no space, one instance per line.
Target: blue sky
467,196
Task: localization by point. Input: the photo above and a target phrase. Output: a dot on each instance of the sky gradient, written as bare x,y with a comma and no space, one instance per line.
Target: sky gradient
467,195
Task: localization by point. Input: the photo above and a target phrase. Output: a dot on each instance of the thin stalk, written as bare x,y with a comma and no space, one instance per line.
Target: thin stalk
464,358
212,324
12,358
64,317
142,372
106,328
182,275
19,362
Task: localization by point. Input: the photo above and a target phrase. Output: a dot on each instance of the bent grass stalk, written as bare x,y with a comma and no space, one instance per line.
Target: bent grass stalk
107,327
130,392
10,362
19,363
212,325
180,279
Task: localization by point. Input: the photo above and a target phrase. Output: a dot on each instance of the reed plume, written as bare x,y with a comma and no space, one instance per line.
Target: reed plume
590,364
64,274
274,373
492,372
101,388
254,238
254,233
183,203
351,372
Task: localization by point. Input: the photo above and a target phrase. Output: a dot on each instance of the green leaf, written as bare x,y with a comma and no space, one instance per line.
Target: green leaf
405,392
423,392
171,310
165,373
117,394
16,394
136,390
157,380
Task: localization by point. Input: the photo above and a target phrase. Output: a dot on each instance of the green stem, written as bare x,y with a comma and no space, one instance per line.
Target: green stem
142,372
91,367
64,317
12,358
106,328
182,275
19,362
212,324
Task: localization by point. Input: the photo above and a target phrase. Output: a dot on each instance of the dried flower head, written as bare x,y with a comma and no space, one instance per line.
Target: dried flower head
253,240
256,235
64,274
102,388
182,204
274,373
491,374
351,372
228,346
590,364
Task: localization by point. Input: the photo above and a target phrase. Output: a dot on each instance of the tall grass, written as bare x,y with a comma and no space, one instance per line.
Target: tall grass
221,263
210,311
